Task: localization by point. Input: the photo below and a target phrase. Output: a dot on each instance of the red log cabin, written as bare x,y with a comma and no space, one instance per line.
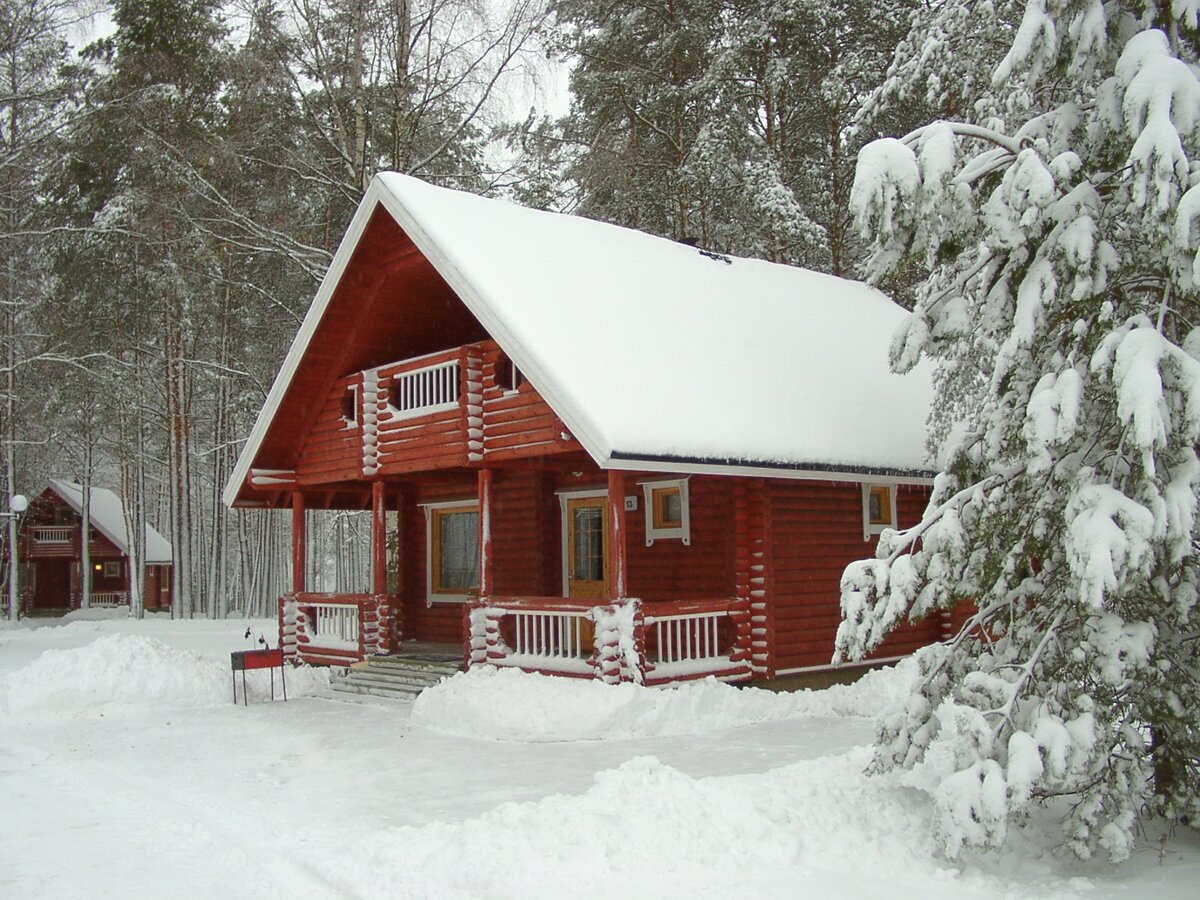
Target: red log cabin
51,553
609,455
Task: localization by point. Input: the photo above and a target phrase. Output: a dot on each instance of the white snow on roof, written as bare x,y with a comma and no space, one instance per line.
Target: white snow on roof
654,355
649,349
108,517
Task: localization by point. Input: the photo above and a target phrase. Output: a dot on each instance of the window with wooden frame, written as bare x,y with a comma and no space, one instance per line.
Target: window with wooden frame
112,568
452,530
350,406
879,508
667,513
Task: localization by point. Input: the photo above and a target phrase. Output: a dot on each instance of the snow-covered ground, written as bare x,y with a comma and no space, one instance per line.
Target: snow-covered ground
126,771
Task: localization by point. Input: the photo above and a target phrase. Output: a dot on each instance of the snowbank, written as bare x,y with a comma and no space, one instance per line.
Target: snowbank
509,705
820,828
130,672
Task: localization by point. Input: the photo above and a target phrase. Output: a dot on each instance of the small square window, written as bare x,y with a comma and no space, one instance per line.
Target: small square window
879,508
667,514
112,568
668,507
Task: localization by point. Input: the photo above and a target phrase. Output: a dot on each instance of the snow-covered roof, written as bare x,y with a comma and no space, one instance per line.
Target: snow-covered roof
108,517
653,354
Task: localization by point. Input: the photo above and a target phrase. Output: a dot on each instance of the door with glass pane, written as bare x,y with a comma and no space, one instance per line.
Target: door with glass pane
587,547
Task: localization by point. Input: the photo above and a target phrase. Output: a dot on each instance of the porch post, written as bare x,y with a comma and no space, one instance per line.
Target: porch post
616,533
298,542
378,539
485,532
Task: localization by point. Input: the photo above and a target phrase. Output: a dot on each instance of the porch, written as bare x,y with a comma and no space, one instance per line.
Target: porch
617,641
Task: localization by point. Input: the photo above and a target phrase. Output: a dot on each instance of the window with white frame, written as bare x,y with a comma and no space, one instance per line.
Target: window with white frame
452,538
879,508
667,513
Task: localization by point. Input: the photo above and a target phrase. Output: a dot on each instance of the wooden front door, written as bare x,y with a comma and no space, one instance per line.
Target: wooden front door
587,547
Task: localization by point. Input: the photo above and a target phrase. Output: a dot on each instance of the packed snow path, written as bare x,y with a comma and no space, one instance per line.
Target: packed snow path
171,790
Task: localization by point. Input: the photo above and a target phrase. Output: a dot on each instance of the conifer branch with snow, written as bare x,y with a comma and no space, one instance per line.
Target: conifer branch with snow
1060,231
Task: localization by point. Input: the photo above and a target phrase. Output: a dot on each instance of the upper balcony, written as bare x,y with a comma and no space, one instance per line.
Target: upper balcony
461,406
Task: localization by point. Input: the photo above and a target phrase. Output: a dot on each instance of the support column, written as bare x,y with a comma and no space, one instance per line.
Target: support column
616,535
485,533
298,542
378,539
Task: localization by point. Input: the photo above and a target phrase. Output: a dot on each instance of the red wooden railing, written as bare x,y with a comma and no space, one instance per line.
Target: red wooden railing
338,629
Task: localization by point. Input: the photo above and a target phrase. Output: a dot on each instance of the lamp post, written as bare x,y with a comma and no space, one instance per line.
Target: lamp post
17,504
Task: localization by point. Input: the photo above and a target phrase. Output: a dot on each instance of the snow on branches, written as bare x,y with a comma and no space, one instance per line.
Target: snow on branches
1060,237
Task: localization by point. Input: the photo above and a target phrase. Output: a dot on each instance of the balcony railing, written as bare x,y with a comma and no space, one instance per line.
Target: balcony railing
335,625
426,390
628,640
53,534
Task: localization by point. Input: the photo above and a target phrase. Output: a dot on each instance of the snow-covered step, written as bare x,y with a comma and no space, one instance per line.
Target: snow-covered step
397,677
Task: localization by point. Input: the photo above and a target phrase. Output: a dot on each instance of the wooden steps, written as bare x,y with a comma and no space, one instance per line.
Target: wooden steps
398,677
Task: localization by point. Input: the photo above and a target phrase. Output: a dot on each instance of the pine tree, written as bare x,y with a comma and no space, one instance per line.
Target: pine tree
1058,222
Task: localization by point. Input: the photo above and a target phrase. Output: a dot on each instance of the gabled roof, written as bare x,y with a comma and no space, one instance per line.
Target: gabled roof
108,517
654,355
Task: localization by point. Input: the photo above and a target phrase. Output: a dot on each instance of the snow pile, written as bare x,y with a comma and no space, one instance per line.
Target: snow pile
130,672
817,828
509,705
95,614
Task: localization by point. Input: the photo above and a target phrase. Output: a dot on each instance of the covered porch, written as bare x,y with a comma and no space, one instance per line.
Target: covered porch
639,602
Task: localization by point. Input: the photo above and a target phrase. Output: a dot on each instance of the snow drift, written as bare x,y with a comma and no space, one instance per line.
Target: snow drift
509,705
130,672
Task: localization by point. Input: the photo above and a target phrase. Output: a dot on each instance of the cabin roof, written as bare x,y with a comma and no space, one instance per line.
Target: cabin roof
108,517
654,354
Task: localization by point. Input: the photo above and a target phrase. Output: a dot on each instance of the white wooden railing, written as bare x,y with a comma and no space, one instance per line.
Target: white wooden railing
108,599
683,640
53,534
622,640
425,390
553,635
335,625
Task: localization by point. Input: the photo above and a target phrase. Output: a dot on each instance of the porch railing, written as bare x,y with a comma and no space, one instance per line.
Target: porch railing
625,640
337,629
108,599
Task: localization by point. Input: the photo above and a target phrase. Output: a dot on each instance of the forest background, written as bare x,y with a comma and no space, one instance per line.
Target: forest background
171,194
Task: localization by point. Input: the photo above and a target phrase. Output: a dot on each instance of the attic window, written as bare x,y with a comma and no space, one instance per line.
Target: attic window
879,508
667,513
508,377
350,405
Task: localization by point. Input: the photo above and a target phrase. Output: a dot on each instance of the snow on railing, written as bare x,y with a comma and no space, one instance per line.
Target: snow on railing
334,625
108,599
623,640
425,390
692,638
686,638
554,635
52,534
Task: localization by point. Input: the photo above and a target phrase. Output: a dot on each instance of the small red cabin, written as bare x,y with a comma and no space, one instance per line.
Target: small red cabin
52,557
608,454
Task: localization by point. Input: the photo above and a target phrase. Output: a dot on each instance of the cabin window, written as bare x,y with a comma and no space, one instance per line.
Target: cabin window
350,405
509,378
453,541
667,514
879,508
112,568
